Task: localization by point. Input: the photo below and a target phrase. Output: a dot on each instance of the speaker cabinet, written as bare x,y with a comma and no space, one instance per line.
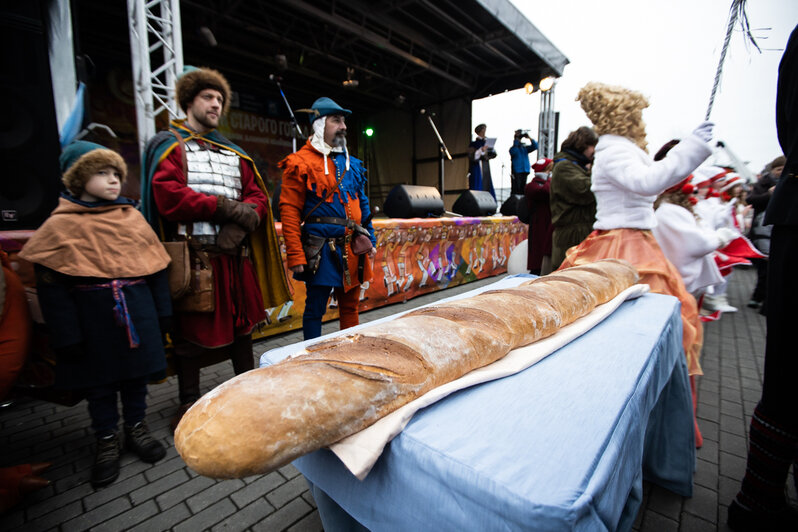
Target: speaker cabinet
475,203
512,205
30,177
413,201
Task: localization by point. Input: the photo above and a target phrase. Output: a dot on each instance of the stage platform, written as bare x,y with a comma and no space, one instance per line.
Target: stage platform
415,256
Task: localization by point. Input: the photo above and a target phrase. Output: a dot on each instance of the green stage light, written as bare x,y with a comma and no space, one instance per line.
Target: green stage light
369,131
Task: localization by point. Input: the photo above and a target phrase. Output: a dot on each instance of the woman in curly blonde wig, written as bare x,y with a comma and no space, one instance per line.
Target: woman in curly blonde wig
626,181
615,111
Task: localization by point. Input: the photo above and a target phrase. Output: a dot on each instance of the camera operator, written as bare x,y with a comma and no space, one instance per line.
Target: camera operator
519,154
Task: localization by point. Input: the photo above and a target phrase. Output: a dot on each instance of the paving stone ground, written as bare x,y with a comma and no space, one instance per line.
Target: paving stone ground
169,496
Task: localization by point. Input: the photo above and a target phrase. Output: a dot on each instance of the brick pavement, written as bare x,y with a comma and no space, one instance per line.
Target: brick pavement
168,495
733,362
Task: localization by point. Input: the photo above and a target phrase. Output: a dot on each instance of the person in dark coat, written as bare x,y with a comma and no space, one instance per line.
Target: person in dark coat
479,156
760,233
103,290
540,228
761,503
573,205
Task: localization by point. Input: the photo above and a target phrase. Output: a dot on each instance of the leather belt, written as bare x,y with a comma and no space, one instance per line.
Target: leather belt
327,220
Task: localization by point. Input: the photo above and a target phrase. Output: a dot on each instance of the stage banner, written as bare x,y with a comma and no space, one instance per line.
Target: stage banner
415,256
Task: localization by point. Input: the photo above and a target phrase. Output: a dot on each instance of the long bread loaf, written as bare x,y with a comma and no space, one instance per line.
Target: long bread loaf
267,417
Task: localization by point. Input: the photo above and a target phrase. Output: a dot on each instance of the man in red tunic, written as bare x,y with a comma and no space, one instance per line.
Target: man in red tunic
207,187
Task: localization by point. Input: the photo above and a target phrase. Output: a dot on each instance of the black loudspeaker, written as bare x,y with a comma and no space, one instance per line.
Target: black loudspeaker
475,203
413,201
522,211
30,177
512,204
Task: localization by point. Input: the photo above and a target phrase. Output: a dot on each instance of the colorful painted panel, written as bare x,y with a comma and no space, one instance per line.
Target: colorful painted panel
414,257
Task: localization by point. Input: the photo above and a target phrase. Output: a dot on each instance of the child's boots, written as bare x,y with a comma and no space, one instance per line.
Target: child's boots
106,463
139,441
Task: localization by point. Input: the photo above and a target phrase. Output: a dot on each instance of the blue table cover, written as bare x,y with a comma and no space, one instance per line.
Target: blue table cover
563,445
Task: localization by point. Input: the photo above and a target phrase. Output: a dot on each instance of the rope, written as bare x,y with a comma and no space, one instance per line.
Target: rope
735,9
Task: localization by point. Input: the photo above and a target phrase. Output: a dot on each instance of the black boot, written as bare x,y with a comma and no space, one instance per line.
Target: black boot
761,503
106,463
741,519
139,441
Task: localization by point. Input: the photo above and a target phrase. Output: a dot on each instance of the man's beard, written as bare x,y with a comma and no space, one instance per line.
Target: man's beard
339,141
205,121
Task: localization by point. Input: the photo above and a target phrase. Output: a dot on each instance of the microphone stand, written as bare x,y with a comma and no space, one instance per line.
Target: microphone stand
294,126
444,151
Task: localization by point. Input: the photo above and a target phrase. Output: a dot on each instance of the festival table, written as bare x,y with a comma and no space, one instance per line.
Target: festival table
562,445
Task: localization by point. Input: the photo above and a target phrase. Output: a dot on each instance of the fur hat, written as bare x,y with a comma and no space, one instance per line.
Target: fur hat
615,111
194,80
82,159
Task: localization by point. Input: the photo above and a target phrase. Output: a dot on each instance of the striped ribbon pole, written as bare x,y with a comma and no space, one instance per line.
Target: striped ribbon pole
733,13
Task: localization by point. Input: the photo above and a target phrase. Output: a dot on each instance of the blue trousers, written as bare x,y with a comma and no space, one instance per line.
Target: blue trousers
103,404
316,306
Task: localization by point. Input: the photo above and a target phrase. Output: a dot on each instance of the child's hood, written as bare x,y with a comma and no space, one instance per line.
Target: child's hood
108,240
70,204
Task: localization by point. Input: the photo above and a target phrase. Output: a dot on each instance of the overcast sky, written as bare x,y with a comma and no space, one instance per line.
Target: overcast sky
669,51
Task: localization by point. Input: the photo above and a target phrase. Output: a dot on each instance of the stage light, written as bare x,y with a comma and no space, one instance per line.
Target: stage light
369,131
350,82
546,83
529,88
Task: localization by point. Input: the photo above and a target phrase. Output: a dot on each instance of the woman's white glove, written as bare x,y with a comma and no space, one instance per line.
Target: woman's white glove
726,235
704,131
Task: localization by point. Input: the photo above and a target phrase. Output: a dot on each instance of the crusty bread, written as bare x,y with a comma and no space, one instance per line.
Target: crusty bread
571,298
601,286
621,273
267,417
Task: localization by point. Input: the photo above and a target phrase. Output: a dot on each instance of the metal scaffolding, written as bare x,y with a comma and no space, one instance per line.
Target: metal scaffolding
156,50
546,125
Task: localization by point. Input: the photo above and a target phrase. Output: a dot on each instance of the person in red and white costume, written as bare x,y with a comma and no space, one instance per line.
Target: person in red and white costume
733,193
709,210
712,214
685,243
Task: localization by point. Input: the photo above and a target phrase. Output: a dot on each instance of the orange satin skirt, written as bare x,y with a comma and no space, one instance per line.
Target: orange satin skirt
640,248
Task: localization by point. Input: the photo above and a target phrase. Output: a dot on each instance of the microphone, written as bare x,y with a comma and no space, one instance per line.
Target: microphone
272,77
423,111
427,112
